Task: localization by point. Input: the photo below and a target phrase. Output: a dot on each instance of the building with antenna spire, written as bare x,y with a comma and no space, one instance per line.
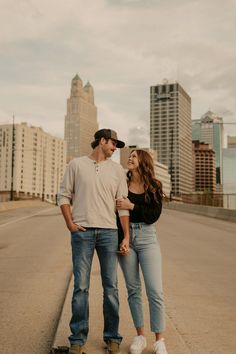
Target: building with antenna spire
81,119
209,129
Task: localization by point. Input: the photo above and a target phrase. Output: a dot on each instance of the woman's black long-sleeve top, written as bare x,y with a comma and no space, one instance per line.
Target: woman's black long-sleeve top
145,211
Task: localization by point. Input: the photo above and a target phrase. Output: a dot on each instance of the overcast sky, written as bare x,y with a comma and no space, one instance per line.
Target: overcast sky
122,47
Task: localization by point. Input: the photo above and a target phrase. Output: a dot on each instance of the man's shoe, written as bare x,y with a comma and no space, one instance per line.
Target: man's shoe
76,349
113,348
139,343
159,347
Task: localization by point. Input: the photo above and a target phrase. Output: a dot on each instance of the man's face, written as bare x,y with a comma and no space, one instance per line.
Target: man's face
108,147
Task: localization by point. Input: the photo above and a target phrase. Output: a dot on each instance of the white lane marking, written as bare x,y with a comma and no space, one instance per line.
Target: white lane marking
25,217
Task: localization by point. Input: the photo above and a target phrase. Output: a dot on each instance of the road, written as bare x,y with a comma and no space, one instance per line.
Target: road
34,274
198,271
199,256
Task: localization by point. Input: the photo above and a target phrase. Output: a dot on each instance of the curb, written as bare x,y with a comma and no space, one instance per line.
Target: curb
56,348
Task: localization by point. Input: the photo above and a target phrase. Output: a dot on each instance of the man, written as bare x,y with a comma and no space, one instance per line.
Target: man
92,184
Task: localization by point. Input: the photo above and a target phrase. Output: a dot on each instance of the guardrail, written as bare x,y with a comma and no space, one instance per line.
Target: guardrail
226,201
204,210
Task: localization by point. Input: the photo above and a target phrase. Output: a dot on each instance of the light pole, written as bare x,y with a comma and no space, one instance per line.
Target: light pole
12,158
43,177
171,162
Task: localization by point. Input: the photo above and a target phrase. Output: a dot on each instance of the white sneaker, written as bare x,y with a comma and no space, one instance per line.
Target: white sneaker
139,343
159,347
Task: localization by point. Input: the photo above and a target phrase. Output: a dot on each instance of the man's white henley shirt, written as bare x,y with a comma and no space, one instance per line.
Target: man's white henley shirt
92,188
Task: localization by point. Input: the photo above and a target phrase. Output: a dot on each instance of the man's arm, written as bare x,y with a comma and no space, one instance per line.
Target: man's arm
66,212
122,192
124,246
65,197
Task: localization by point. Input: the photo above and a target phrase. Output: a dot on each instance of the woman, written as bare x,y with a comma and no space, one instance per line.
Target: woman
145,204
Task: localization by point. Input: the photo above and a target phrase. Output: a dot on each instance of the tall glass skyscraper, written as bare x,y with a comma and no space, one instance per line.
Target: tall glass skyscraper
209,130
170,133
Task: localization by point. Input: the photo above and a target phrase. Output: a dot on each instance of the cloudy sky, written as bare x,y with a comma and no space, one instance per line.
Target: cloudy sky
122,47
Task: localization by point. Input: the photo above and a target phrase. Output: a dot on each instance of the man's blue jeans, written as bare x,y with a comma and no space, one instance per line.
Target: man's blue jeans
83,243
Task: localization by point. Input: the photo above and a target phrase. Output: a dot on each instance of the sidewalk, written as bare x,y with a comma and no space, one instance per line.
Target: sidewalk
11,205
95,345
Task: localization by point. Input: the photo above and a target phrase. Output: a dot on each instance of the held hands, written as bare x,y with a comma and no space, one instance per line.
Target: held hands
124,247
124,204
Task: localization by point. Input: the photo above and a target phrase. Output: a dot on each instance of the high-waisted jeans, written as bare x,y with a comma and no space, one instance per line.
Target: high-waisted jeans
84,243
145,254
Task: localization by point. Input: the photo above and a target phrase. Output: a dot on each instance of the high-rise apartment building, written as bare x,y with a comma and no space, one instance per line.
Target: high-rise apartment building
209,129
204,167
161,171
39,160
170,133
80,120
231,141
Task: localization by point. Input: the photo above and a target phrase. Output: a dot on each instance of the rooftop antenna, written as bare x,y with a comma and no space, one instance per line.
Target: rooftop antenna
177,76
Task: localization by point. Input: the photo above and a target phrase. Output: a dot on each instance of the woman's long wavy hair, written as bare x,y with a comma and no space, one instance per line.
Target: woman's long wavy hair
146,171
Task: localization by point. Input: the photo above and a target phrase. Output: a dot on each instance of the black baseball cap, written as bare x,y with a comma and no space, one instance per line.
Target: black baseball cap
109,134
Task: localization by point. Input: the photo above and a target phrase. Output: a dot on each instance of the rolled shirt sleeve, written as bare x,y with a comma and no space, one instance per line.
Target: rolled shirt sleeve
122,191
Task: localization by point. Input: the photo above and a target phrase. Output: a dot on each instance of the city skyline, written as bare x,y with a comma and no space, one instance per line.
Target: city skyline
123,48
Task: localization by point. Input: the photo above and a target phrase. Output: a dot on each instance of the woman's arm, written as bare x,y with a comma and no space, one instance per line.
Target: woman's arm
150,211
124,204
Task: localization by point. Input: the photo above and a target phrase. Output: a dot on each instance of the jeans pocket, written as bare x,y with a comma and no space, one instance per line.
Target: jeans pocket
74,232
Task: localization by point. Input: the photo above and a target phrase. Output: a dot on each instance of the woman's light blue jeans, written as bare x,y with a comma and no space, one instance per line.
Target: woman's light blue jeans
84,243
145,254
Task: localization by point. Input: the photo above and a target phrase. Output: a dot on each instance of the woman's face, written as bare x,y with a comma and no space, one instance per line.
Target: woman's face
133,161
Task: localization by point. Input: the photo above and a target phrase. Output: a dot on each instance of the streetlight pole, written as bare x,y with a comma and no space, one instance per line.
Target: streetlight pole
12,158
171,162
43,176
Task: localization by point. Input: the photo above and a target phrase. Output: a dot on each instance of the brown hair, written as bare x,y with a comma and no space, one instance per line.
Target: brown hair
146,171
96,142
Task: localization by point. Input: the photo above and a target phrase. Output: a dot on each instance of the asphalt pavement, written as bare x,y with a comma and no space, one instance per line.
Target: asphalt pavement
95,344
200,290
35,269
198,273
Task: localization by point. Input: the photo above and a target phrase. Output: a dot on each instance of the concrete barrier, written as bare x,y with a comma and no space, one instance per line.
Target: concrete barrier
205,210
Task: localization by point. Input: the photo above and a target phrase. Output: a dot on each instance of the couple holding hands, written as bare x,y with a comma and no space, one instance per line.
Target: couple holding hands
98,190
